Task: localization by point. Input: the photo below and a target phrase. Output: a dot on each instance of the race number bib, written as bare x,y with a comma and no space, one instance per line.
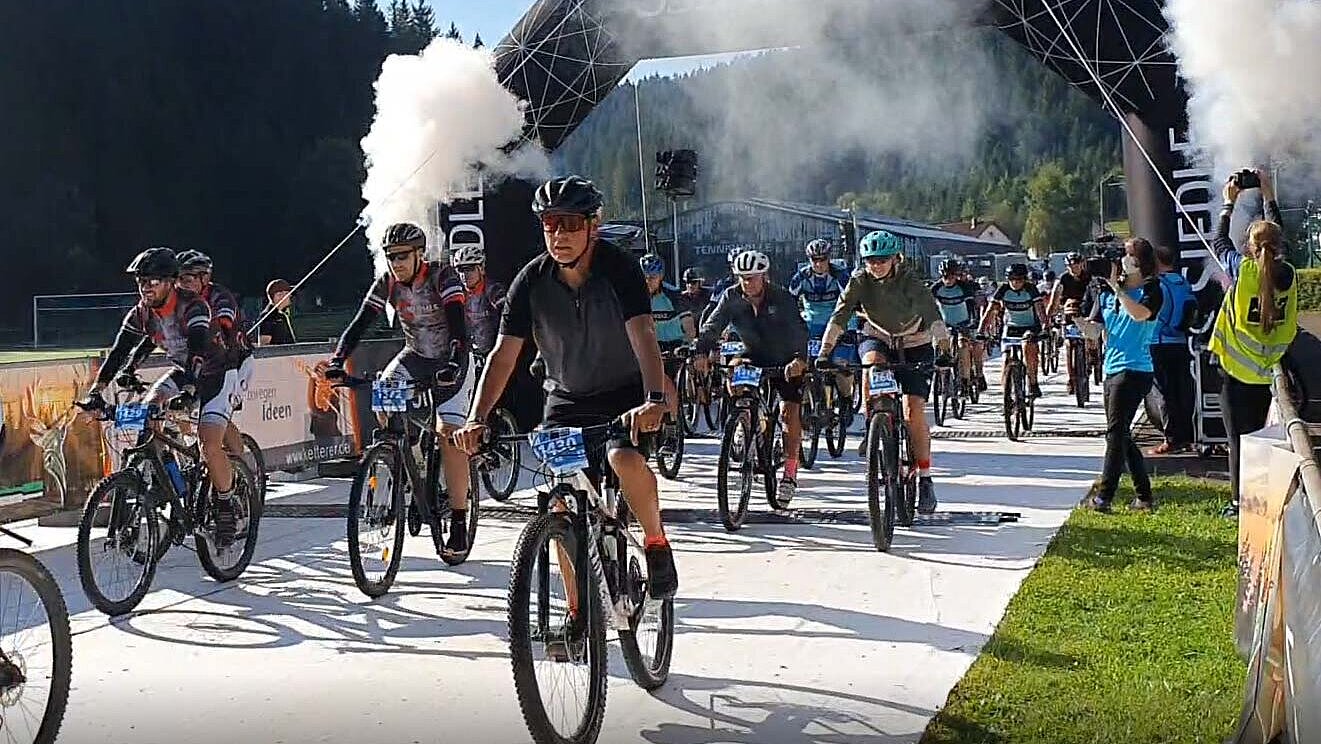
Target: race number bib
732,348
746,376
882,382
1010,341
814,348
390,397
1072,332
131,417
564,451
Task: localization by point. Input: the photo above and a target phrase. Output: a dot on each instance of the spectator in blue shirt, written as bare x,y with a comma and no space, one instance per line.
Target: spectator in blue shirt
1128,304
1170,357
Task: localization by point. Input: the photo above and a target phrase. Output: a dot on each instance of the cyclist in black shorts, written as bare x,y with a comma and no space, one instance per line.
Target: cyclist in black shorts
584,304
767,320
429,299
178,321
1067,297
1020,304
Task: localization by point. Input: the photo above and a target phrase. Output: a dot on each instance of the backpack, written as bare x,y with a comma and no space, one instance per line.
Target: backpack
1184,313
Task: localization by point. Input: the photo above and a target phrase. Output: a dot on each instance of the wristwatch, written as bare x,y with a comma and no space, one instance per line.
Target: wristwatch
656,397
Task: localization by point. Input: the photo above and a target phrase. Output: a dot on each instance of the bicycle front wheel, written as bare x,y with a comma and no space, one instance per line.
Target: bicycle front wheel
810,418
882,481
556,637
940,396
501,478
376,519
116,561
1012,382
36,651
669,448
736,471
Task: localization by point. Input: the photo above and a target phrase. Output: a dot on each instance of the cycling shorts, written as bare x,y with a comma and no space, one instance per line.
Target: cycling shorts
214,393
910,382
1020,331
238,381
451,401
593,410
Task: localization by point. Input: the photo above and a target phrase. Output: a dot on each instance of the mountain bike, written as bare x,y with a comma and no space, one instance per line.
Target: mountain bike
1019,407
36,649
560,608
398,483
888,447
694,396
752,443
814,412
1050,350
160,496
951,390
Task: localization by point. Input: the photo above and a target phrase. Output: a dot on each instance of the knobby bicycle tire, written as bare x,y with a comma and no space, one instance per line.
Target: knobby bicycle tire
91,509
882,481
388,453
733,519
31,571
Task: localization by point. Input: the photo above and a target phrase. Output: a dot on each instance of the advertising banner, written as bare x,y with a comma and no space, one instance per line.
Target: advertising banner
1268,470
49,458
296,416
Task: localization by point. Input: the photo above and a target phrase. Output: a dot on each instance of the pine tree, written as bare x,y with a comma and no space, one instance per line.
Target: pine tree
453,33
423,22
477,43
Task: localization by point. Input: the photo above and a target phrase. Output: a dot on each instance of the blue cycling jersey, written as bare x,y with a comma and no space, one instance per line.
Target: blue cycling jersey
668,308
818,293
956,302
1019,304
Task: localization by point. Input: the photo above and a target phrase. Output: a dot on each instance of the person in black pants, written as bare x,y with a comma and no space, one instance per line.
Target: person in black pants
1128,305
1170,357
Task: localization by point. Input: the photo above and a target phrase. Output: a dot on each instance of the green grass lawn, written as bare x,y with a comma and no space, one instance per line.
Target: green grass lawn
1123,633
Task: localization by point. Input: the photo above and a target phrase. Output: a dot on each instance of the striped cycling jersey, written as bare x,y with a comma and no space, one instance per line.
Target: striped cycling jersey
668,308
1019,304
955,301
421,306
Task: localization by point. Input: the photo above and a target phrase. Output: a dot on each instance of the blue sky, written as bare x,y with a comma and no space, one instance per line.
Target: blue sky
494,18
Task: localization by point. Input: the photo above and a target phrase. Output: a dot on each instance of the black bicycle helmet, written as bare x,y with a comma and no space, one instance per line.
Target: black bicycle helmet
692,275
570,195
1016,271
154,263
192,260
1050,276
404,233
1073,257
950,266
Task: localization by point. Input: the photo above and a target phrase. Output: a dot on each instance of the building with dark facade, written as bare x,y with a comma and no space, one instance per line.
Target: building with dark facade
782,229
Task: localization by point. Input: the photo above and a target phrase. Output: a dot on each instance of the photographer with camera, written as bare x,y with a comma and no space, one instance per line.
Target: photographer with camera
1128,304
1258,318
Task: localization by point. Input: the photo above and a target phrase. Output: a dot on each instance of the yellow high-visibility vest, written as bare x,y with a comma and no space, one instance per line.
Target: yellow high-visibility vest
1246,351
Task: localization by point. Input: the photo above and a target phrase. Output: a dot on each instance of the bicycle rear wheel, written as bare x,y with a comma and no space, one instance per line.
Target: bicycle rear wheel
226,563
648,641
556,639
256,461
36,651
906,507
116,566
735,471
1081,379
376,519
882,481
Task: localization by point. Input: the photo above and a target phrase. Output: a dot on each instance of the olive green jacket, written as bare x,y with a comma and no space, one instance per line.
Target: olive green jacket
890,304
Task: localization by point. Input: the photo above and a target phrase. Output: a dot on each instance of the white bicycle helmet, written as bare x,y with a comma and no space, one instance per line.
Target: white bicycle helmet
751,262
468,255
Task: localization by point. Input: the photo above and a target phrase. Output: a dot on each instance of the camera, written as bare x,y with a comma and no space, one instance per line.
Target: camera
1247,179
1102,266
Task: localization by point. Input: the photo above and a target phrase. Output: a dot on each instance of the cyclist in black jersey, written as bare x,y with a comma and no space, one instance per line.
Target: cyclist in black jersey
584,304
429,298
1068,298
1020,305
485,300
195,270
180,322
694,288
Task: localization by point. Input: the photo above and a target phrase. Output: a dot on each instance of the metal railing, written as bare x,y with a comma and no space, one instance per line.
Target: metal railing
1300,441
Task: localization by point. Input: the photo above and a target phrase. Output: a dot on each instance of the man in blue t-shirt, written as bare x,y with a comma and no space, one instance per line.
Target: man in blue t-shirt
1170,356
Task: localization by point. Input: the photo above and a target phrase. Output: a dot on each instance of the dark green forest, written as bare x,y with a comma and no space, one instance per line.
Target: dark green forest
231,127
234,128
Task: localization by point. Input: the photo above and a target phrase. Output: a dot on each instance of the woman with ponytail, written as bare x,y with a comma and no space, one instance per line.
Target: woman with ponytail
1257,321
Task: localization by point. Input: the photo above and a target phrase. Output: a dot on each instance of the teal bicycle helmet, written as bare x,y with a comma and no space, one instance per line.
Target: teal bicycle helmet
880,244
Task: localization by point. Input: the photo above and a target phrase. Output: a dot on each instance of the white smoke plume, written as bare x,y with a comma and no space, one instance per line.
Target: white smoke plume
877,79
439,116
1253,72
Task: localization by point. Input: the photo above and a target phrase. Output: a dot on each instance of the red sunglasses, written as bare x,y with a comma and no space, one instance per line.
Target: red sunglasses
566,222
